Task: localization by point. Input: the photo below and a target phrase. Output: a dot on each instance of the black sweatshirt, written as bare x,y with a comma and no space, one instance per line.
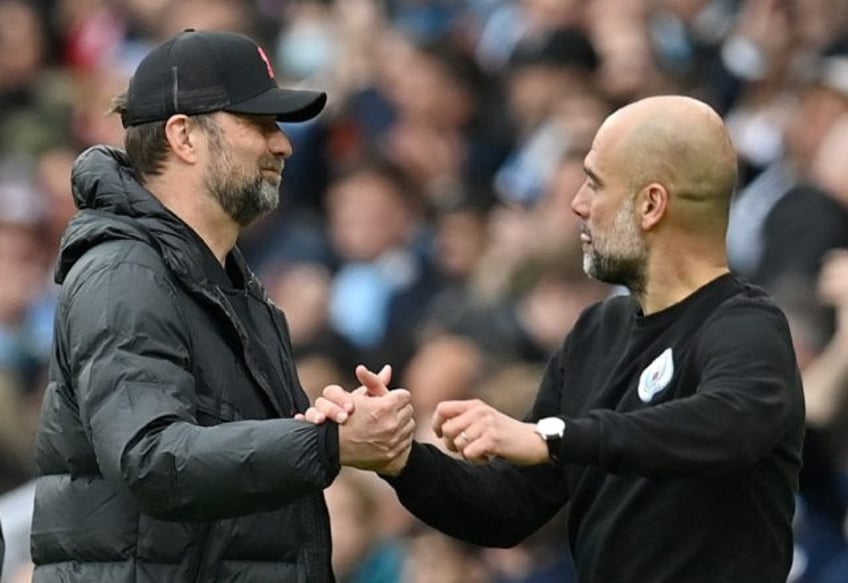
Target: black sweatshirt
681,453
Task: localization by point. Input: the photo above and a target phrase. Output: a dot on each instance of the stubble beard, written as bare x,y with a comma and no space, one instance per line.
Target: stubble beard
243,198
620,257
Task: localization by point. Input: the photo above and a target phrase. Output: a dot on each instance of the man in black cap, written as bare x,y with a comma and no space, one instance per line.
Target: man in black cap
168,448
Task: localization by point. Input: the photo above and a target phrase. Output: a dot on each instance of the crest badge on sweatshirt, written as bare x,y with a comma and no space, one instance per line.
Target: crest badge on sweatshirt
656,376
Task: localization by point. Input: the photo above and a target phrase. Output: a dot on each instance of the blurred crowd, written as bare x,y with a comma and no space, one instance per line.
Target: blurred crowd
426,216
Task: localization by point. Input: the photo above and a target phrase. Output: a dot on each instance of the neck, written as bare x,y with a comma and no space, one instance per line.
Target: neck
201,212
674,276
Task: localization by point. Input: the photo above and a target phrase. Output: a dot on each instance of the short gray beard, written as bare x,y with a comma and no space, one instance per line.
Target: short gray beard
246,201
242,199
624,261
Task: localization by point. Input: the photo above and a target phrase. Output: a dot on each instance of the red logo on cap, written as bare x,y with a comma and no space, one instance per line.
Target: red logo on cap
267,62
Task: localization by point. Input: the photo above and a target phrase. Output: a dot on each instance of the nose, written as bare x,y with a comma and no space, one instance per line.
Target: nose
280,144
580,203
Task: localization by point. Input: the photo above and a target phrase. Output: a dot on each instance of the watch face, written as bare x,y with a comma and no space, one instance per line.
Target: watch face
551,426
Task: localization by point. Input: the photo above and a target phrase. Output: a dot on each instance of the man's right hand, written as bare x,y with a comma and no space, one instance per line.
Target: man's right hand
379,436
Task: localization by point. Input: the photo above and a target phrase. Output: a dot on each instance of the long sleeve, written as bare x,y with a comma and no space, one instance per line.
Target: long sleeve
496,505
746,397
129,358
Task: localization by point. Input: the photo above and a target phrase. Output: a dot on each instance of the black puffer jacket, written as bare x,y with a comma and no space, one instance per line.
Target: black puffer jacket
166,452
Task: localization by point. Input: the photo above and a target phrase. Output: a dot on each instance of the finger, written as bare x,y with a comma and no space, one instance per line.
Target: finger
459,442
462,423
437,422
450,444
373,382
330,410
385,374
445,411
405,414
404,435
450,409
400,396
340,397
315,416
477,451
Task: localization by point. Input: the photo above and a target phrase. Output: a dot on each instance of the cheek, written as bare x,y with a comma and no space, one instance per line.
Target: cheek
597,217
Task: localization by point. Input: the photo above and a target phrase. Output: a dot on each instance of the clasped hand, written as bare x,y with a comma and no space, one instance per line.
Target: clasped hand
475,430
379,436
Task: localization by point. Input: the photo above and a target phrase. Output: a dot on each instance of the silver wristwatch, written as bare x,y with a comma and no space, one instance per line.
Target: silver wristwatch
552,430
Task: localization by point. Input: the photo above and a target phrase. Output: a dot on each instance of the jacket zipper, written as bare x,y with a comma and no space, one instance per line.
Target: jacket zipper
250,366
289,369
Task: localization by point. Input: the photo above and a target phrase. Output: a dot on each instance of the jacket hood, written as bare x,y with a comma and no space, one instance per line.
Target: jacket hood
114,205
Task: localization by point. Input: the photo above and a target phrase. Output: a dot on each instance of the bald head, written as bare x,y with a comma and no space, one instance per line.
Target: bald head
682,144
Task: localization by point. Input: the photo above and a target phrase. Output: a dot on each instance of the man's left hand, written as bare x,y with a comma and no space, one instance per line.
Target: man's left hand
479,432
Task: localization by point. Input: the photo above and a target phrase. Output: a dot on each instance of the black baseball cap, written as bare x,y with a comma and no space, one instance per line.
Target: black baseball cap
205,71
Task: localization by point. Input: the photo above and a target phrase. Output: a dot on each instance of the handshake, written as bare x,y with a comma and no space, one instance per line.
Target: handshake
377,425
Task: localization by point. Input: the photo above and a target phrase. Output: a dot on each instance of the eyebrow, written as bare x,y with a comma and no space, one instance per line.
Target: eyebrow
591,174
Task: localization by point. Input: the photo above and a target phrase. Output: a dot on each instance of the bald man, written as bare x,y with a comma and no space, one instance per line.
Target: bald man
671,419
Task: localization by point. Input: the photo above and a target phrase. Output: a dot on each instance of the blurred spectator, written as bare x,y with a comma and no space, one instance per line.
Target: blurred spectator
308,45
89,121
629,47
434,557
545,73
322,355
53,180
386,278
828,169
25,324
822,502
506,23
758,242
444,368
361,554
485,108
445,134
232,15
23,262
823,359
461,239
22,46
826,377
26,109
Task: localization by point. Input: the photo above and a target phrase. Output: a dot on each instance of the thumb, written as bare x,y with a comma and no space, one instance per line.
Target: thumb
372,382
385,374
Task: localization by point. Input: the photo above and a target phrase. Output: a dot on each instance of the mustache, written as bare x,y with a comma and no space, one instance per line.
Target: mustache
272,163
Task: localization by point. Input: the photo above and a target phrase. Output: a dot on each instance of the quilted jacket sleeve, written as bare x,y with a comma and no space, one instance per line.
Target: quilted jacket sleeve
129,357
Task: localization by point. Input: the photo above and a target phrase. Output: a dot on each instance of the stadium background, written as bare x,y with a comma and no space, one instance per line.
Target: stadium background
425,217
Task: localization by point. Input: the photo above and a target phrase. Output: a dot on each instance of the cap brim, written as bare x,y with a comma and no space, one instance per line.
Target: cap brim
290,105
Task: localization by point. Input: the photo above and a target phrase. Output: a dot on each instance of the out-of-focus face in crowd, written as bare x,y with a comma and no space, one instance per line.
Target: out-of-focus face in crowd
21,45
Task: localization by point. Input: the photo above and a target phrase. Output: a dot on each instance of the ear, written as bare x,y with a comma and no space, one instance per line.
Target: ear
653,205
181,139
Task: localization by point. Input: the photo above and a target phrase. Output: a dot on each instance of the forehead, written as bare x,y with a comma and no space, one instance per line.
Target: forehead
602,156
595,158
